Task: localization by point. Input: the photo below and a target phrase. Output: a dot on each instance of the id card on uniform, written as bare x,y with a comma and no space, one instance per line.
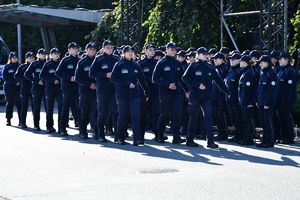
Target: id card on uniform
124,71
51,71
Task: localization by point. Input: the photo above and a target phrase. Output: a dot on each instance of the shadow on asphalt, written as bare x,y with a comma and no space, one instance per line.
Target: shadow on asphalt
182,152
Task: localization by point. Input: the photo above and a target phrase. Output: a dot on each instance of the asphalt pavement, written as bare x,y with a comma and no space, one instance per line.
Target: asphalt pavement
37,165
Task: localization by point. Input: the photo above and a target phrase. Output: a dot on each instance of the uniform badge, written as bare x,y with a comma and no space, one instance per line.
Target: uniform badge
11,71
86,68
167,68
146,69
232,80
264,83
290,82
51,71
124,71
198,73
38,70
273,83
178,69
281,79
70,66
135,71
209,74
248,83
104,66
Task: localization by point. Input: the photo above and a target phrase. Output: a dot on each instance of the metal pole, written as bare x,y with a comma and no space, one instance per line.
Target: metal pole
19,30
270,27
221,16
285,25
229,33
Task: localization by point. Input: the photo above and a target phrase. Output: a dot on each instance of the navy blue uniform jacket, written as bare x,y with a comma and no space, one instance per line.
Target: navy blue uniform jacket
124,73
147,66
33,74
8,76
25,83
65,71
286,86
48,75
266,91
216,93
232,83
102,65
82,76
202,72
247,86
169,70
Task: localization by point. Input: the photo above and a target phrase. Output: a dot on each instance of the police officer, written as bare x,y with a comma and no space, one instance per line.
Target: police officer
218,97
159,54
191,57
265,100
38,87
225,51
274,55
286,97
66,72
25,90
125,75
211,53
11,87
235,112
151,106
52,88
87,91
167,74
199,77
101,69
182,57
246,94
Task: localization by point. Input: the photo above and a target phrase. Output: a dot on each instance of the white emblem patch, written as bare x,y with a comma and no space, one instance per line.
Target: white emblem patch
104,66
124,71
38,70
11,71
70,66
290,81
198,73
273,83
248,83
51,71
146,69
86,68
167,68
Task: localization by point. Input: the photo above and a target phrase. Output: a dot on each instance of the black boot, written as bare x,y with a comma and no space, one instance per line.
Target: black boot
211,144
8,122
